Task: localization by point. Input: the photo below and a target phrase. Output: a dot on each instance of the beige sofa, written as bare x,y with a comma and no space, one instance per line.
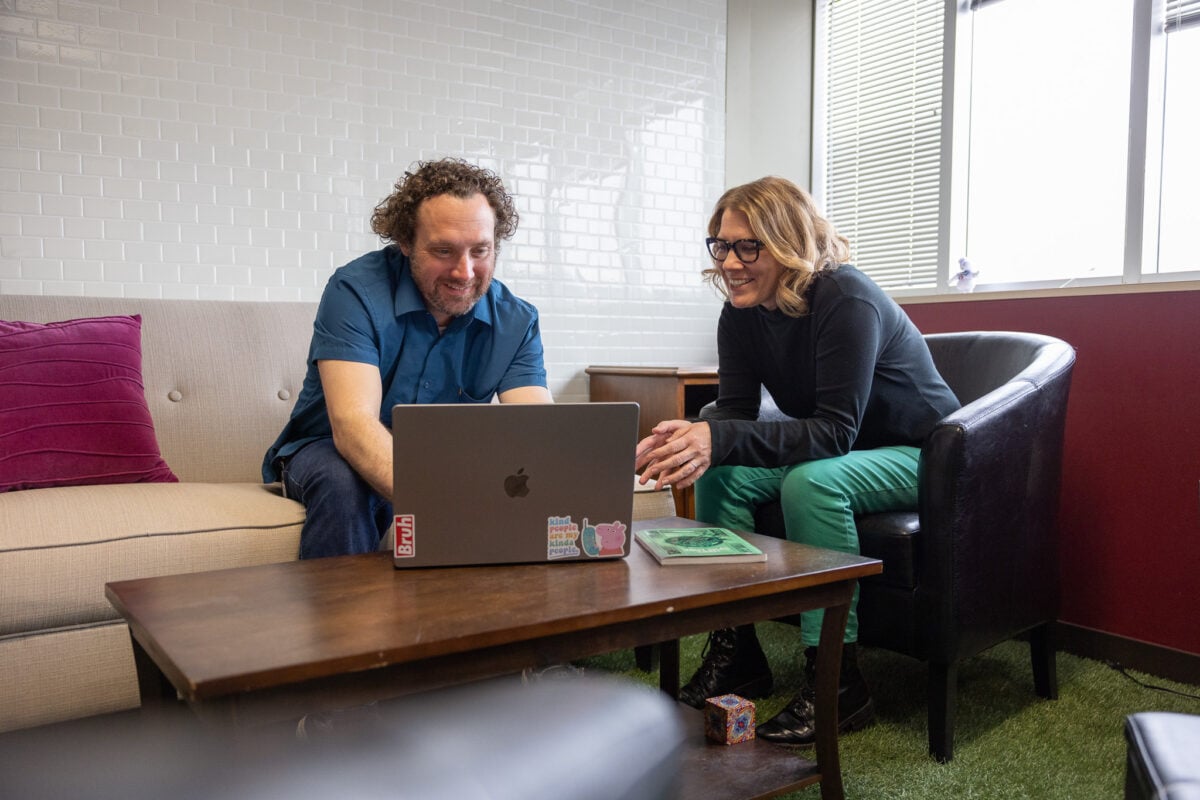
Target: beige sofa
220,381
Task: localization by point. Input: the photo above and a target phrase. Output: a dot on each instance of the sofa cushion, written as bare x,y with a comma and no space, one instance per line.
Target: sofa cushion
60,546
891,536
72,406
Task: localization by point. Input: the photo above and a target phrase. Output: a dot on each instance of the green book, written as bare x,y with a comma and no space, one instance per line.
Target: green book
697,546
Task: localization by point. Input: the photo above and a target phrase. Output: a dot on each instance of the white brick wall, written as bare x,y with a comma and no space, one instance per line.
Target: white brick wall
235,149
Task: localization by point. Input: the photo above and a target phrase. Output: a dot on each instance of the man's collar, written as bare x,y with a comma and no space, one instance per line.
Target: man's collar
408,297
482,310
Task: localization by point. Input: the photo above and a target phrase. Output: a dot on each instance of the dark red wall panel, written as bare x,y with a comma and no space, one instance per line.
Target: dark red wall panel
1130,515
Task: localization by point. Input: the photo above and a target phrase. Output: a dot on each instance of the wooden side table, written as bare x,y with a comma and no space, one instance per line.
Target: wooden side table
662,393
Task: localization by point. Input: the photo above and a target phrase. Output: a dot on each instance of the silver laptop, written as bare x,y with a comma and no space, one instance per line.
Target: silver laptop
512,483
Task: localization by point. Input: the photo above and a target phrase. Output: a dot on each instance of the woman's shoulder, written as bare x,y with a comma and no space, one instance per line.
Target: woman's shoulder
843,275
846,280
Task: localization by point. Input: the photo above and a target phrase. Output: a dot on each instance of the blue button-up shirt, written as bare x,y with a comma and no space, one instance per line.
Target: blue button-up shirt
372,312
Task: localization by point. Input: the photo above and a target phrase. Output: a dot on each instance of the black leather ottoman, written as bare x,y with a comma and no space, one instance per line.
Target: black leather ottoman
1163,756
589,738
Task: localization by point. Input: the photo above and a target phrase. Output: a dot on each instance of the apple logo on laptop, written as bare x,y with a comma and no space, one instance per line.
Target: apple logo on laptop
517,484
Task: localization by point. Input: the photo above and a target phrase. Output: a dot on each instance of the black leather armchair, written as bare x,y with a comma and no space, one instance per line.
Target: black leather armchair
978,563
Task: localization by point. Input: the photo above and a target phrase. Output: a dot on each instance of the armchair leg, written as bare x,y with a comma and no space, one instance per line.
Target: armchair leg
1045,665
943,692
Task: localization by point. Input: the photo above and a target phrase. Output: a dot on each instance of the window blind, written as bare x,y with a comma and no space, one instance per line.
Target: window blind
883,109
1180,14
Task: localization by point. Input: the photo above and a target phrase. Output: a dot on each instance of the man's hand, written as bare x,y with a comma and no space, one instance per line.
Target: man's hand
676,452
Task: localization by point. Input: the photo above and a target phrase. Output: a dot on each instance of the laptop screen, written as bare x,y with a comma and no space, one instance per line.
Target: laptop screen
512,483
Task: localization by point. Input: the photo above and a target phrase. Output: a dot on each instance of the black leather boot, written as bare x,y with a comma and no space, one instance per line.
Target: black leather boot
796,724
734,663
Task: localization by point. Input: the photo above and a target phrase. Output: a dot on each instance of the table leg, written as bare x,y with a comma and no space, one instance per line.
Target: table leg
668,668
153,687
646,656
829,668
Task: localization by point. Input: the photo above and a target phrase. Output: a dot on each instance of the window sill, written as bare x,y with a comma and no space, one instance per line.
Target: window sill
1063,291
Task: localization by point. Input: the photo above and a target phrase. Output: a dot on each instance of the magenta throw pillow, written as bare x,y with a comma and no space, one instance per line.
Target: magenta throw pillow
72,405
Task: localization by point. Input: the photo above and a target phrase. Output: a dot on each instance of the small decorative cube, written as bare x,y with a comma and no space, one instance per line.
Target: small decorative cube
729,719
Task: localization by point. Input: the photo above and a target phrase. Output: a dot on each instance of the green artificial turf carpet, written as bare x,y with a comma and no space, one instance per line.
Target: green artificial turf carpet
1009,743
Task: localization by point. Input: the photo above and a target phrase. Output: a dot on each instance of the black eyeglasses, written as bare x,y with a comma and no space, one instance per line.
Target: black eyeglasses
746,250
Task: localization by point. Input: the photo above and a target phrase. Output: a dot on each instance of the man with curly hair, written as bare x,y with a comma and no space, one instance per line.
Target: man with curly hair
419,321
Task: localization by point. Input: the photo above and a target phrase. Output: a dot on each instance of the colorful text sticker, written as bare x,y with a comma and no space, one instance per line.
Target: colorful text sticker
406,536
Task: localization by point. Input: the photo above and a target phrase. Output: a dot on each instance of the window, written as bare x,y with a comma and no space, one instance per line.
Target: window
880,128
1046,167
1047,142
1179,214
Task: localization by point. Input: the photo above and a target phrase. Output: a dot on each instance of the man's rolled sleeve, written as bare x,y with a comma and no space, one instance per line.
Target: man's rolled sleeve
344,329
527,367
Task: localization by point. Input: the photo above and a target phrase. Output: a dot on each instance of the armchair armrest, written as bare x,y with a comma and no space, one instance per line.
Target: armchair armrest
989,490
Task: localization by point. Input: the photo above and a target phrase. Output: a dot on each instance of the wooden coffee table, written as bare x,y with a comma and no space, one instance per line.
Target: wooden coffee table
274,642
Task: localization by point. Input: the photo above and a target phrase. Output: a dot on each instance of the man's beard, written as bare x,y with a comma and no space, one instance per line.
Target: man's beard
439,298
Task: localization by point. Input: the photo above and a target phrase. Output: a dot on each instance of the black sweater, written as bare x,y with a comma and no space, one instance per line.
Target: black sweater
854,372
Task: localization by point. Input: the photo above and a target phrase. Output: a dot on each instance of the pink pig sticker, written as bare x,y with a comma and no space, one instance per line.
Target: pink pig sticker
611,538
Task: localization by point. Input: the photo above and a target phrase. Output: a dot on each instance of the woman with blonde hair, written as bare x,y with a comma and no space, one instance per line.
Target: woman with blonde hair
860,392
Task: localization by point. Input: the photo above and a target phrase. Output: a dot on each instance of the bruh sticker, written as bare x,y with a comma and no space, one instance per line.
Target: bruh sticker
564,538
406,536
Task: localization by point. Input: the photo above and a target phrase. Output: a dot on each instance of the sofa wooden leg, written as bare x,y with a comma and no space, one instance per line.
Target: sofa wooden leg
1043,654
943,691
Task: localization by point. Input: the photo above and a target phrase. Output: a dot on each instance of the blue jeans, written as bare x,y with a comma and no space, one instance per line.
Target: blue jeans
819,500
344,515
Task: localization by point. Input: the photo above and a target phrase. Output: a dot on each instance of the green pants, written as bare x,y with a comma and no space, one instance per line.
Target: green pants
819,500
